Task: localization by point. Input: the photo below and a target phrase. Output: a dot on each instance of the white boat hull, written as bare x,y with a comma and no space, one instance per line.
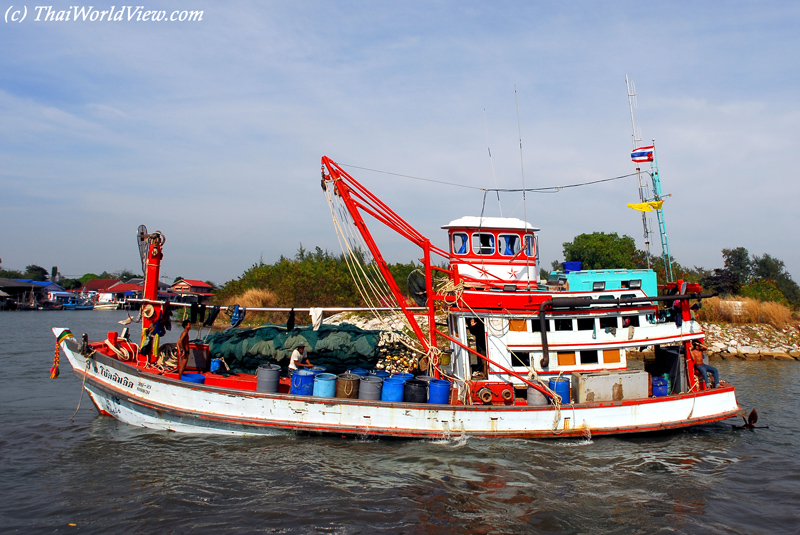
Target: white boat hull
143,399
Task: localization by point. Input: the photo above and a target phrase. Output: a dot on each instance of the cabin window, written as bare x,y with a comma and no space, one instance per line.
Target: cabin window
589,356
520,358
611,356
628,321
563,324
529,249
518,325
632,284
460,243
566,358
536,325
483,243
599,286
585,324
508,244
611,322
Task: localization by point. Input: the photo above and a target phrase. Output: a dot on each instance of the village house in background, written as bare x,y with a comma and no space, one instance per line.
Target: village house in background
192,291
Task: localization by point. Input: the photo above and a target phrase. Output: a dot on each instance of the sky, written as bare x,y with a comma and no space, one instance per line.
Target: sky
212,131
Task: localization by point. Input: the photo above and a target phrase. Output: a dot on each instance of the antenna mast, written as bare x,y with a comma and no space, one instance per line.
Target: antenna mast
637,142
644,195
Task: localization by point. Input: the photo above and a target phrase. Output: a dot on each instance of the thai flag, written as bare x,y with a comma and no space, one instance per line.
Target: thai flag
642,154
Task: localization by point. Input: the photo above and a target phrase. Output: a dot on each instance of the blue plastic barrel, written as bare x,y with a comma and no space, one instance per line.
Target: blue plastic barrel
392,390
325,385
359,371
193,378
659,387
426,378
560,385
317,369
383,374
302,383
403,376
439,391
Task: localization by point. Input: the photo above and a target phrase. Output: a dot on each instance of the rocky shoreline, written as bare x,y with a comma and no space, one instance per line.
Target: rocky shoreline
727,341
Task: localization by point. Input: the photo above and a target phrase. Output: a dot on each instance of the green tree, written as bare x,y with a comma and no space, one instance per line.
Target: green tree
768,268
737,262
37,273
69,284
88,277
125,275
602,251
763,290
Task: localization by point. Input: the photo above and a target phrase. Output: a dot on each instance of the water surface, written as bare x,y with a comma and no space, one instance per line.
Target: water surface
108,477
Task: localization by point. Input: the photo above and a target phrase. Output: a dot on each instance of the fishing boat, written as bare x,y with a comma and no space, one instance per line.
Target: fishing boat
501,353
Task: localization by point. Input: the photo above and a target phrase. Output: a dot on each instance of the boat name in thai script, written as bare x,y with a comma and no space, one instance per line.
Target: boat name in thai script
144,388
117,378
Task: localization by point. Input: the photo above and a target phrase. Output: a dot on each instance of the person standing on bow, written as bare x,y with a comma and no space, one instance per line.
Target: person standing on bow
183,346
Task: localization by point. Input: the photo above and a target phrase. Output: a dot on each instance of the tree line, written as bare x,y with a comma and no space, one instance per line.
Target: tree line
760,277
38,273
309,279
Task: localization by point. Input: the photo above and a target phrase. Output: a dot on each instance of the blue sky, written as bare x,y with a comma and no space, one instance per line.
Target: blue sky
212,131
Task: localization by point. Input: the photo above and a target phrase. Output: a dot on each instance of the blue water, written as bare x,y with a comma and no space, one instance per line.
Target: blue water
107,477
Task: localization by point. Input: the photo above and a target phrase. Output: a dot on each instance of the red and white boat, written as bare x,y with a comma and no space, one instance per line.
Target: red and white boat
547,360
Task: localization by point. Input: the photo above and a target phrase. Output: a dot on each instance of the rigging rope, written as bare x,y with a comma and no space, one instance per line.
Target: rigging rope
548,189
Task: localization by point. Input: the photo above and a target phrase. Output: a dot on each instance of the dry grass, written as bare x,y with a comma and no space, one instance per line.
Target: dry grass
253,297
256,298
745,310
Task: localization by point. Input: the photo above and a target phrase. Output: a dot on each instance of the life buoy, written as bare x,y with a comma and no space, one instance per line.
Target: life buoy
148,311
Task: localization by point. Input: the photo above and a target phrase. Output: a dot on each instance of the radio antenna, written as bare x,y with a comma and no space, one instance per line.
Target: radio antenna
524,198
637,142
491,161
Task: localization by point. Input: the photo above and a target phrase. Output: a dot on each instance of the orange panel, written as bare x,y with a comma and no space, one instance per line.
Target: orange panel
566,359
518,325
610,356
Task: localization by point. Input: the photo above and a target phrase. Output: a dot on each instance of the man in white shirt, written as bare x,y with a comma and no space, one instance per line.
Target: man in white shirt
299,358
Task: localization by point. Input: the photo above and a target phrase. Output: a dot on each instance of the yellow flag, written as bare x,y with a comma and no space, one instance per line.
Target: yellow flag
646,206
641,207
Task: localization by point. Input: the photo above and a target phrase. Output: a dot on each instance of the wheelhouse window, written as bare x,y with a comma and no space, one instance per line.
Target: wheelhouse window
598,286
483,243
606,323
520,359
529,247
508,244
563,324
536,325
632,284
628,321
460,241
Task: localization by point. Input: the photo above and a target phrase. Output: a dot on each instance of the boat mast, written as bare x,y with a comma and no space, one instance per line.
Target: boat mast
637,142
644,196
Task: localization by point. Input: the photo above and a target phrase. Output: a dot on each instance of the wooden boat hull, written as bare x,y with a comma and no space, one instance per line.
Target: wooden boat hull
141,398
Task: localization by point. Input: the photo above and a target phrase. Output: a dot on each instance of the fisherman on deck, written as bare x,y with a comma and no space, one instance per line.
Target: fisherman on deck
699,364
183,346
299,358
